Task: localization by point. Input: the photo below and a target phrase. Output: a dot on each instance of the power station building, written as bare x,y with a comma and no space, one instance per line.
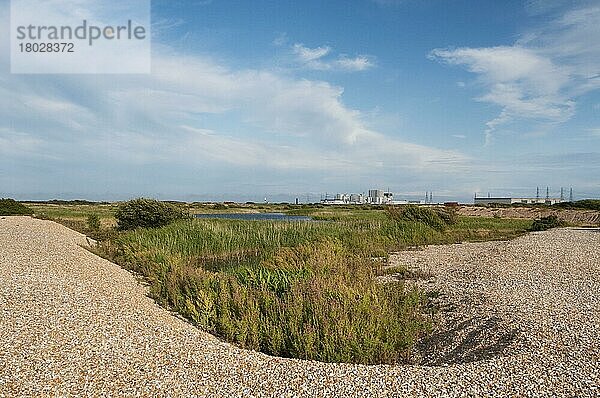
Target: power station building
538,200
512,201
374,197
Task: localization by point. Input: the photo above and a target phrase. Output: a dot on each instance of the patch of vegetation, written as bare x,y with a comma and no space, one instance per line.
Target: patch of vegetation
10,207
288,289
434,217
71,211
76,202
79,217
93,222
587,204
146,213
296,289
396,269
546,223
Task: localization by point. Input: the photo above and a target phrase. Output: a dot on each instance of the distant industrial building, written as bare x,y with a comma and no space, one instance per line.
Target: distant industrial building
333,201
512,201
374,197
525,201
357,198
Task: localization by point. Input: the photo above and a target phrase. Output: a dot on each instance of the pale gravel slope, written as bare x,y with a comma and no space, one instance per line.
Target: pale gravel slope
72,324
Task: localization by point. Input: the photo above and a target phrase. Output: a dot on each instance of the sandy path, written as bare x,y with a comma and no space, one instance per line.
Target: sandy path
72,324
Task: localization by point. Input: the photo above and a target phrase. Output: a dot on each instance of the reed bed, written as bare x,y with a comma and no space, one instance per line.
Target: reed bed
294,289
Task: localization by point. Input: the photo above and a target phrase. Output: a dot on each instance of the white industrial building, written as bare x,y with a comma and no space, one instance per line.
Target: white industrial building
512,201
374,197
538,200
357,198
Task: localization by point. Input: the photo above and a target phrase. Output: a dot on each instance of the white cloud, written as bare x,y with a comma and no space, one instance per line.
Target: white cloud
247,153
522,82
306,54
359,63
507,64
280,40
538,7
314,58
160,26
18,143
539,77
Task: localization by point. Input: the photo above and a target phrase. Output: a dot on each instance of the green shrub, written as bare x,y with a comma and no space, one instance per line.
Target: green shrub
146,213
93,222
425,215
448,215
545,223
10,207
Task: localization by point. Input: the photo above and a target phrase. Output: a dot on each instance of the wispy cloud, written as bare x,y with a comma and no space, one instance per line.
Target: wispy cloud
316,58
162,25
280,39
539,7
354,64
540,76
306,54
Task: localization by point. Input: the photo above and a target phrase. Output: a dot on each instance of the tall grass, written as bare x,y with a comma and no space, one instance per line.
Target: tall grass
319,303
295,289
288,289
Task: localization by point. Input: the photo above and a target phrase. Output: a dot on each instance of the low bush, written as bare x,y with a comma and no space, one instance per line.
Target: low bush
10,207
435,218
448,214
146,213
545,223
93,222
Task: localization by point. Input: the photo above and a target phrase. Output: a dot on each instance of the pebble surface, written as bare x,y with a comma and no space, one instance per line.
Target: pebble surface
519,318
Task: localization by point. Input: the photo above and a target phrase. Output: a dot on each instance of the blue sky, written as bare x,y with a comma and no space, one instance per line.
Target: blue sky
279,99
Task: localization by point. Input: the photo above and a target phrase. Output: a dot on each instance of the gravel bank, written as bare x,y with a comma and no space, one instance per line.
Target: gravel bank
72,324
573,216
